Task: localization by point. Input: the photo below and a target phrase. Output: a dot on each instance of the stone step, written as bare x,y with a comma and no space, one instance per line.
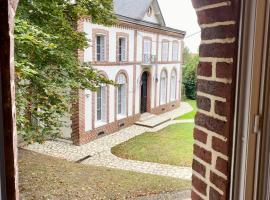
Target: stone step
146,116
153,121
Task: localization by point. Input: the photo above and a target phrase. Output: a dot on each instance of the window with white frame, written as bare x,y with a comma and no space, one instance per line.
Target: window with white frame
173,85
121,95
122,51
165,51
147,44
163,87
175,51
100,48
101,105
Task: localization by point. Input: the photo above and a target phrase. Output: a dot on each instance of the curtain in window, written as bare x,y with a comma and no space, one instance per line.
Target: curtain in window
100,48
175,51
173,85
122,49
121,94
147,50
165,51
163,87
101,104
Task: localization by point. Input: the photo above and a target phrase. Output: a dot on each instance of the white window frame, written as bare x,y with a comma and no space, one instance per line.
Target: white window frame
173,84
122,55
147,48
165,50
121,93
163,88
102,56
175,51
103,106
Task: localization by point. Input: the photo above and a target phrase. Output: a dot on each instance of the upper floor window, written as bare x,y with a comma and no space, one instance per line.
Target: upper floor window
175,51
165,50
100,47
121,95
150,11
147,46
122,49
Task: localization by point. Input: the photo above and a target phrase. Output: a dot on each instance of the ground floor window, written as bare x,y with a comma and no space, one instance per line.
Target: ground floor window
121,94
163,87
173,85
101,104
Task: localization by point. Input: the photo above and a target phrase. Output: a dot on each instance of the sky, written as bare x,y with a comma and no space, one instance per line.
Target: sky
181,15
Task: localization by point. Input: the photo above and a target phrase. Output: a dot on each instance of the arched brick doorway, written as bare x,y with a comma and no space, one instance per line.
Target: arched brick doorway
216,89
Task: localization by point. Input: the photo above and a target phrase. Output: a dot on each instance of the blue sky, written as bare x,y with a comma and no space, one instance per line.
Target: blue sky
181,15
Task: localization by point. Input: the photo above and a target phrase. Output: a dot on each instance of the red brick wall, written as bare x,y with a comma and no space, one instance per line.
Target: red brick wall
216,90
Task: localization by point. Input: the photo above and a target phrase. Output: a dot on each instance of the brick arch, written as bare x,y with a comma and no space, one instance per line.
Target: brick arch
216,90
124,72
215,101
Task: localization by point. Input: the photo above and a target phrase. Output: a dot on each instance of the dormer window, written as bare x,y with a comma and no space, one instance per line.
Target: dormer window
150,11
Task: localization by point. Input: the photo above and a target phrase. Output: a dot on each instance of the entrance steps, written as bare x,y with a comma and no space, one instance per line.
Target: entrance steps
151,121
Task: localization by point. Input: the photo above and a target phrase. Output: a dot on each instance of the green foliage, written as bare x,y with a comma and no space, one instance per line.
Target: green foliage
190,73
47,66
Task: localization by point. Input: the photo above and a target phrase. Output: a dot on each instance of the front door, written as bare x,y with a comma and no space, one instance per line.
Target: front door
144,92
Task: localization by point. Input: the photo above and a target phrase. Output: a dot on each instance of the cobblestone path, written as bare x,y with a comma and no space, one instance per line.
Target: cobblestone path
98,152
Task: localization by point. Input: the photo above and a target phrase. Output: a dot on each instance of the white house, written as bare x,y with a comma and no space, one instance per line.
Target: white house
143,56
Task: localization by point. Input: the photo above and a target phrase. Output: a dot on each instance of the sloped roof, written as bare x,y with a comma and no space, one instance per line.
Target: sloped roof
132,8
134,11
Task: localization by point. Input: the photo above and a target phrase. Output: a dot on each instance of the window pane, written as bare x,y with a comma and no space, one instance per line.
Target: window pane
103,104
100,48
119,100
99,104
122,49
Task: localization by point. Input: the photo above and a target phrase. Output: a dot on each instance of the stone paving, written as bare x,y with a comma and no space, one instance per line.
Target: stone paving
98,152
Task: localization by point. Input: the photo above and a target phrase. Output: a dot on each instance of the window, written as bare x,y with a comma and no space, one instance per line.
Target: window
100,47
163,87
101,104
121,94
150,11
122,51
173,85
165,51
147,45
175,51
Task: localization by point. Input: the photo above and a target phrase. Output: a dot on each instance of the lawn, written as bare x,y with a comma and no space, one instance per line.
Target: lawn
190,115
44,177
172,145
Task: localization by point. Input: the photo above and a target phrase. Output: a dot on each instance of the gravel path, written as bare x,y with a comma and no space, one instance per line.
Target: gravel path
98,152
184,195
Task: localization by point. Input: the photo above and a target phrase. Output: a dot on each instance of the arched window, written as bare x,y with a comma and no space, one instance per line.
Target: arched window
121,95
163,87
101,105
173,85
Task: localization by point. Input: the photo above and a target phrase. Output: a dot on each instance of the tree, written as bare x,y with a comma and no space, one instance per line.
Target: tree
191,62
47,65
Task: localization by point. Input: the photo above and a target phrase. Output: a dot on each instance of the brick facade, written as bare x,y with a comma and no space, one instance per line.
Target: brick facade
215,88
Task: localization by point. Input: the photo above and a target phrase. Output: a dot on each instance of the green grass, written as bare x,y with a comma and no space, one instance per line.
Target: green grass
172,145
44,177
190,115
